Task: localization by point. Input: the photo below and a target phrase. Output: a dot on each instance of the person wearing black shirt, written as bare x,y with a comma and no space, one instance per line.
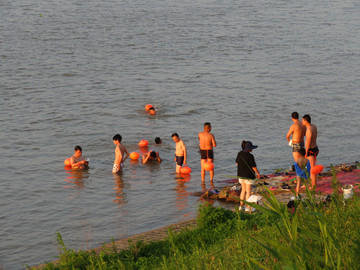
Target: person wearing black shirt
246,171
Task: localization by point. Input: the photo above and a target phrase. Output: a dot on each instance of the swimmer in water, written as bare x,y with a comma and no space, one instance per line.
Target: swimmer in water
158,140
151,156
152,111
77,161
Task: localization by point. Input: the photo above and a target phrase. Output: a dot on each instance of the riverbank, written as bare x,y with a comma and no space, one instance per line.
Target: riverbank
149,236
313,201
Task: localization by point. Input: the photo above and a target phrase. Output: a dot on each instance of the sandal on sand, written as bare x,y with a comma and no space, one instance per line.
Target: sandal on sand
285,186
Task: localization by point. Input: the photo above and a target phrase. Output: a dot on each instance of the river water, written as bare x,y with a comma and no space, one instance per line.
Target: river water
78,72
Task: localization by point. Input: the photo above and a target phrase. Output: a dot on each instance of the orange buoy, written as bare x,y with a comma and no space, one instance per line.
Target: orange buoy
148,106
143,143
185,170
67,162
208,166
317,169
134,155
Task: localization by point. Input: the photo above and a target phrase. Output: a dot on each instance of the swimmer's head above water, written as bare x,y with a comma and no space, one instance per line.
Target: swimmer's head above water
158,140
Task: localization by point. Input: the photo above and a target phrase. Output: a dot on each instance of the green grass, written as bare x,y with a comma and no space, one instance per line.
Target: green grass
315,236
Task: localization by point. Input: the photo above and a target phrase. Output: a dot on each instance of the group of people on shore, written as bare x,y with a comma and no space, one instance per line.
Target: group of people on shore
304,153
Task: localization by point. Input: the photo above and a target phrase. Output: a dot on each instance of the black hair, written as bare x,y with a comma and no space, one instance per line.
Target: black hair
295,115
117,137
78,148
153,154
157,140
152,108
302,152
243,144
307,118
174,135
207,124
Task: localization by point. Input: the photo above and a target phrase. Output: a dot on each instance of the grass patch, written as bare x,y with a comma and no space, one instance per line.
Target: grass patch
313,236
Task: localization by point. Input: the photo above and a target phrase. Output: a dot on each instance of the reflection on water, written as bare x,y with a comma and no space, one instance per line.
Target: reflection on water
76,179
120,198
182,195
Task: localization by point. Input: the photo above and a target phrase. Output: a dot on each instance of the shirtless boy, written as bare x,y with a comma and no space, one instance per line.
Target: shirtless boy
310,145
207,142
121,154
180,152
297,133
77,161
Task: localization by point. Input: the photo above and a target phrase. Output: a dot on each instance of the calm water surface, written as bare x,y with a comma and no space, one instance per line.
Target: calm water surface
78,72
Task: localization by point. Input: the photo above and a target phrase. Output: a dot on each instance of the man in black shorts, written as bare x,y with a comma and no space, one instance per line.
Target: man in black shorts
206,143
310,145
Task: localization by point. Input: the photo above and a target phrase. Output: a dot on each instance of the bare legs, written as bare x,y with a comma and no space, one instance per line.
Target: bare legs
203,172
245,192
312,160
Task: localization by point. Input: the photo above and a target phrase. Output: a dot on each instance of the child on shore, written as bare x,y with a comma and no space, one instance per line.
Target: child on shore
302,168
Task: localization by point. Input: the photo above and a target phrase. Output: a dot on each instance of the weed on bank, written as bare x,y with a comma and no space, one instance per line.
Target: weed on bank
310,235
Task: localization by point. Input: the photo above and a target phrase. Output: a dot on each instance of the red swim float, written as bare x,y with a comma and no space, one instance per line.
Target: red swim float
185,170
208,166
148,106
317,169
143,143
134,155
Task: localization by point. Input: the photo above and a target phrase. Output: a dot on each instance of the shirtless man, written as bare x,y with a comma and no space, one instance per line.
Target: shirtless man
297,132
207,142
310,145
77,161
180,152
121,154
151,156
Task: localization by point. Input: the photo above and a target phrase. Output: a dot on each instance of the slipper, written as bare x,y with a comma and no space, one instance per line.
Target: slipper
285,187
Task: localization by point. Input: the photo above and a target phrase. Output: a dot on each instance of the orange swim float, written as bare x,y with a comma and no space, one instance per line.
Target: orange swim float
134,155
67,162
143,143
317,169
148,106
185,170
208,166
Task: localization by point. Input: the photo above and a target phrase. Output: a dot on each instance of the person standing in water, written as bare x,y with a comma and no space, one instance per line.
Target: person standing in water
246,171
206,143
310,145
77,161
180,152
121,154
297,133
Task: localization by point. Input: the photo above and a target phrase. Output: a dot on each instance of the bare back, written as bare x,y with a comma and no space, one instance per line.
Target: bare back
311,135
207,140
297,130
